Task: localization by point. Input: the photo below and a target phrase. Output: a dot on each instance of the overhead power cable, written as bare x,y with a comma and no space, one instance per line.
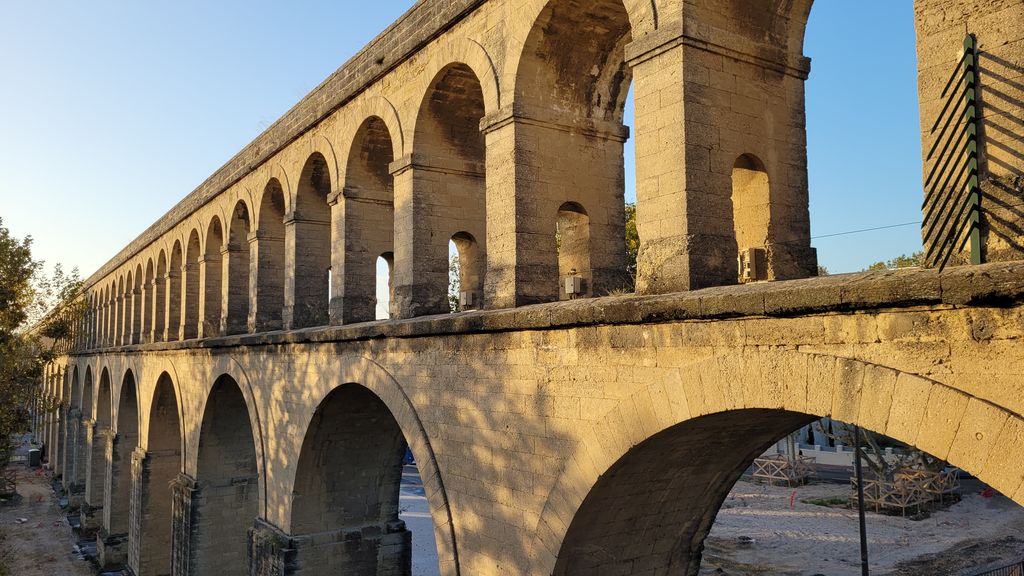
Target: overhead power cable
866,230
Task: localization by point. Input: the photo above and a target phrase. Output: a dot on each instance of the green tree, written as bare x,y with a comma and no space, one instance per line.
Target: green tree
902,261
632,241
37,318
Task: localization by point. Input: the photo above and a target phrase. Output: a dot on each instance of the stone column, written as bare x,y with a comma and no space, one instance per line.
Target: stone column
58,436
112,537
136,505
337,309
209,308
119,323
266,282
580,164
189,303
434,199
72,419
95,476
138,311
699,109
183,561
306,297
234,308
149,328
172,304
381,550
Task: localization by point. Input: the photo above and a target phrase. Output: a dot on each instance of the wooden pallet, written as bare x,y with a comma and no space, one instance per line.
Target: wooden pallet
778,469
909,490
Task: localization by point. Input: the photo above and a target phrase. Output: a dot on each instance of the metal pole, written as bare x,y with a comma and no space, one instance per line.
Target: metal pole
973,188
860,502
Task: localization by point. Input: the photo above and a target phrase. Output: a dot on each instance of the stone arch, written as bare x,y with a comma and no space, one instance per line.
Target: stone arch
570,89
364,109
751,212
775,25
148,302
160,464
119,307
269,252
226,366
472,55
138,305
160,297
212,272
448,172
77,393
377,380
471,270
574,249
96,437
237,271
226,471
173,325
777,391
124,441
307,292
369,221
191,281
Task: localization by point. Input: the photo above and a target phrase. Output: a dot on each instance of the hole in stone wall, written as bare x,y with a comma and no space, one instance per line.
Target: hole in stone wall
572,236
385,284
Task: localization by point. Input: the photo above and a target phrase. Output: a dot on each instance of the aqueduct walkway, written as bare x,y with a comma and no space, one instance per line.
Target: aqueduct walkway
230,351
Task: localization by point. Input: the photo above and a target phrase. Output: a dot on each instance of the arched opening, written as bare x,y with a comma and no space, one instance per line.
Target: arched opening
345,483
174,303
119,304
125,441
310,223
191,274
656,505
270,269
465,272
75,468
94,322
751,211
98,443
160,287
572,237
572,83
107,312
369,205
160,467
64,442
148,302
449,190
226,472
213,272
238,271
129,309
385,285
138,306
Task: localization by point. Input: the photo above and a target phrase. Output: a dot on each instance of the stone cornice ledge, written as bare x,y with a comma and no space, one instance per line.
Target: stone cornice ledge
999,285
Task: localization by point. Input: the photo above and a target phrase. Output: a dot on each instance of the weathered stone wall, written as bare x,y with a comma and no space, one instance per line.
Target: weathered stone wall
515,416
999,28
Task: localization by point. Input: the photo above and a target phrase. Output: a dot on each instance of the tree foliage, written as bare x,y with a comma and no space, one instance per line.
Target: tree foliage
632,241
902,261
38,314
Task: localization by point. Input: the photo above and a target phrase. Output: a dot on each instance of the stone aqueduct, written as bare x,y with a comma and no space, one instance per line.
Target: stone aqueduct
230,407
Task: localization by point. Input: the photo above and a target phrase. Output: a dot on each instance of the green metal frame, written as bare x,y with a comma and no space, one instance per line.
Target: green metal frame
952,204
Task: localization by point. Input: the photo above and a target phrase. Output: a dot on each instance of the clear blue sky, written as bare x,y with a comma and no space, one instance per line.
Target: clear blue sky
111,112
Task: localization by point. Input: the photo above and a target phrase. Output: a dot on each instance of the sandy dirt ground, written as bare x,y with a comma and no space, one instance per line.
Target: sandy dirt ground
758,531
36,539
